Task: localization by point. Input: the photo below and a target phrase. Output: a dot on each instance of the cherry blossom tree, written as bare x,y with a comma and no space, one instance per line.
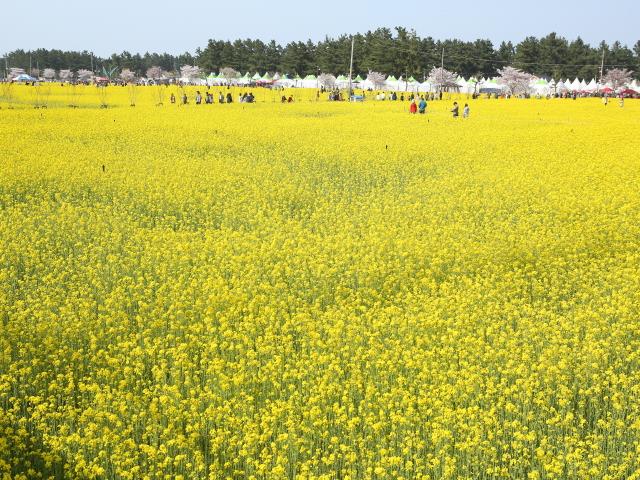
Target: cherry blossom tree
129,78
49,74
15,72
618,77
230,74
190,72
85,76
65,75
327,80
443,79
515,80
155,73
376,78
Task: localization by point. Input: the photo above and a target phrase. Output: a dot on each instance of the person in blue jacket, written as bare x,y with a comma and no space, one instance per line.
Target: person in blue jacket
422,106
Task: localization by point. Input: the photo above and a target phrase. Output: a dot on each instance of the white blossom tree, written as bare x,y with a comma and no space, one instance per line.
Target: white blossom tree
15,72
618,77
230,74
443,79
327,80
515,80
85,76
190,72
49,74
376,78
65,75
155,73
129,78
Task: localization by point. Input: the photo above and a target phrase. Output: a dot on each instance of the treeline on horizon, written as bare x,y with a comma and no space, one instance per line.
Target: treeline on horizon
400,52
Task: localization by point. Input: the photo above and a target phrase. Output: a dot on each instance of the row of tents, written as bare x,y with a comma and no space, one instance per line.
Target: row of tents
538,86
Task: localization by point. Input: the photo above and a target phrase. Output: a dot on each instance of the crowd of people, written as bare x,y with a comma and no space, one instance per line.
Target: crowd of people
208,98
420,107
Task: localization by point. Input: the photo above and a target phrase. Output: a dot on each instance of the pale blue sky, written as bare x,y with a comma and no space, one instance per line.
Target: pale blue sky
140,25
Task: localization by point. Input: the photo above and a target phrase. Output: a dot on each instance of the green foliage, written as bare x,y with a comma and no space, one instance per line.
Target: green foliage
399,51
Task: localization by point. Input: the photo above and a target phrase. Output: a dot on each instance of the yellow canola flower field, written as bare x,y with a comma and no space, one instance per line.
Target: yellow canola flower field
319,290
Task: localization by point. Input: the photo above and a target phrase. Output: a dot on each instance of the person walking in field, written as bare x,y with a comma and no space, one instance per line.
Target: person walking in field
172,98
455,110
605,100
413,108
621,101
185,100
465,111
422,106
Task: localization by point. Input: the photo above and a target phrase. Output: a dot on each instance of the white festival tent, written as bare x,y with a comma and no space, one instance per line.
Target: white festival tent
342,82
412,84
592,86
368,85
491,86
576,85
540,87
284,81
635,85
391,83
310,81
561,87
424,87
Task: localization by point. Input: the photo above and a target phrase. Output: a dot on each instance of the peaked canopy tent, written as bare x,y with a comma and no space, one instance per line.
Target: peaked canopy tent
245,79
391,83
310,81
285,81
490,86
424,86
412,84
592,86
342,81
540,87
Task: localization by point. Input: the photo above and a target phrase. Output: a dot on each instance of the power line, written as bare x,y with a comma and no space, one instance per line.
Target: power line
541,64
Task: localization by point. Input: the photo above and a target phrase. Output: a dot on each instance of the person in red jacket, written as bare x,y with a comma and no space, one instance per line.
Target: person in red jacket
413,108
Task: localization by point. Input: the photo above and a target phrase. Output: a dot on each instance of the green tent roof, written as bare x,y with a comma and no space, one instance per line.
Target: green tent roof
297,77
266,76
391,78
342,78
256,76
542,81
411,79
310,77
358,78
284,77
212,76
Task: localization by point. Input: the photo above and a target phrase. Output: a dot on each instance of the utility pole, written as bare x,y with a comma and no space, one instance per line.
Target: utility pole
30,69
602,66
441,72
351,67
91,62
